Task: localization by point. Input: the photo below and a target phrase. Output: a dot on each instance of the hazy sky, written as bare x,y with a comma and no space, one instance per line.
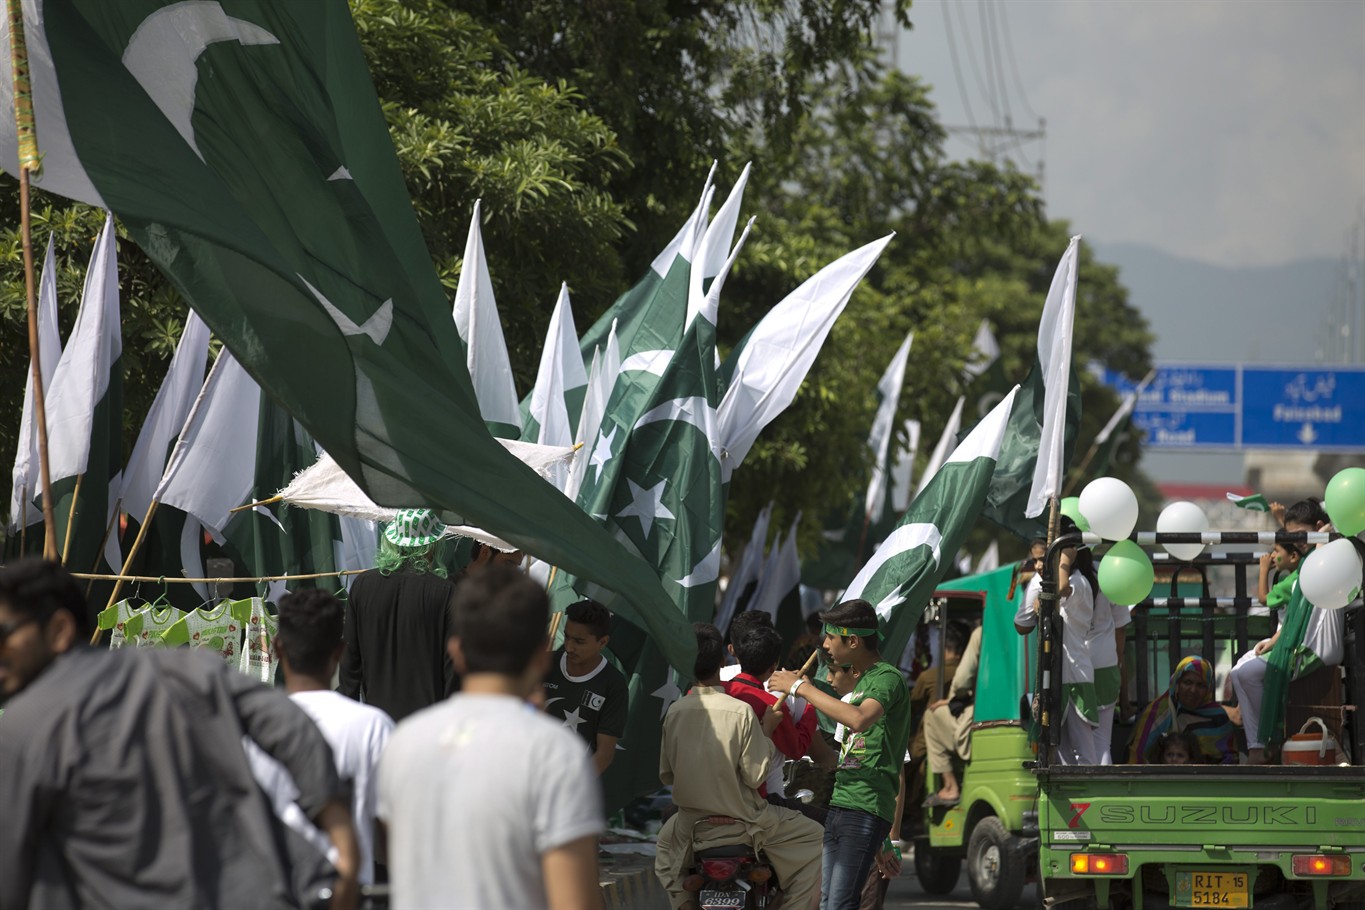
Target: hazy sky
1228,132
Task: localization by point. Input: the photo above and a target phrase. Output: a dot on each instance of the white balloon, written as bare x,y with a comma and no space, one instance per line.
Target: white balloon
1331,575
1110,507
1182,516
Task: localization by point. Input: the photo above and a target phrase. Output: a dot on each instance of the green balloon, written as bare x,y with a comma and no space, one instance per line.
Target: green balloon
1071,508
1126,573
1345,501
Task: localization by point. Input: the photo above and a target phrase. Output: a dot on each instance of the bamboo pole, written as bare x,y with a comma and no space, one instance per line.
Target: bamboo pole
251,505
250,579
71,517
30,163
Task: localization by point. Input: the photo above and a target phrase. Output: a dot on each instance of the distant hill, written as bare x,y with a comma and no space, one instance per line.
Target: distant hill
1202,312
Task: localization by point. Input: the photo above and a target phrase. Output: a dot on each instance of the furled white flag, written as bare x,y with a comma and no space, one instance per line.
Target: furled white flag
749,571
985,351
879,439
218,442
82,376
946,442
561,375
902,471
768,367
166,418
1054,355
782,576
22,512
476,319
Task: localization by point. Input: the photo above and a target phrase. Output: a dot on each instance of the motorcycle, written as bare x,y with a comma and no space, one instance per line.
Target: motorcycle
731,877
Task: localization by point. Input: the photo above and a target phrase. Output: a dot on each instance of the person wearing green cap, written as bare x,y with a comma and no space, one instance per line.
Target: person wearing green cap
398,621
877,718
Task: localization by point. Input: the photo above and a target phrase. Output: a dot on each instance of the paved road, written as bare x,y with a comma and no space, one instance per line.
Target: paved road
905,893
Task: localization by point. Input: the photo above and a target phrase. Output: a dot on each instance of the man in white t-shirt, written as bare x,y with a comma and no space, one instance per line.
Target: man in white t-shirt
489,803
309,646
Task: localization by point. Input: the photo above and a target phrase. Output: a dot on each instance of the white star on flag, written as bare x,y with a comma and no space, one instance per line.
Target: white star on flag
646,504
601,453
669,692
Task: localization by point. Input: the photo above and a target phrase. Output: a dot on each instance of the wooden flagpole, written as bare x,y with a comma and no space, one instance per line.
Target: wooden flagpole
71,517
30,163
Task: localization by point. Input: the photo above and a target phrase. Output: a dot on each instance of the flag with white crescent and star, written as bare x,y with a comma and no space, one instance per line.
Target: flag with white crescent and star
242,145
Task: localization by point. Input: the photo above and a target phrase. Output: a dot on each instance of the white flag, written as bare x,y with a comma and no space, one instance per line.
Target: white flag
902,472
879,440
1054,356
166,417
21,511
985,350
82,375
990,560
214,463
779,352
476,319
561,370
749,571
606,366
782,576
946,443
710,258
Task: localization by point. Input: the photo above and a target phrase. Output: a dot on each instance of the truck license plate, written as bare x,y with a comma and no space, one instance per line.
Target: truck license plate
1206,888
717,900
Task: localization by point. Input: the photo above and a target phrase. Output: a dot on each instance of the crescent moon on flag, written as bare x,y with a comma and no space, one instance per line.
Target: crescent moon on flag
163,55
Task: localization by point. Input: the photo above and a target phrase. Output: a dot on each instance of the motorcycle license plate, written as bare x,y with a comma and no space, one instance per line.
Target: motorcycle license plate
1210,888
719,900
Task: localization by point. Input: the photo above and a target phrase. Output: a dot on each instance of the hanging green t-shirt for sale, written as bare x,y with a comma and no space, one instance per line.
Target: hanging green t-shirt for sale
868,774
114,620
145,628
218,629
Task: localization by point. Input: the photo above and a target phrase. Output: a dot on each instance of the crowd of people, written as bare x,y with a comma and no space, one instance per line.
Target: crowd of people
425,733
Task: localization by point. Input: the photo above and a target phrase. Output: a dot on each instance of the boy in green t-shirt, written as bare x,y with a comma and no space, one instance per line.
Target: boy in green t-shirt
583,689
877,720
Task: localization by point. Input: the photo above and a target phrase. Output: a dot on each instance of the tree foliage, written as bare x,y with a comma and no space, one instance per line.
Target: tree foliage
587,129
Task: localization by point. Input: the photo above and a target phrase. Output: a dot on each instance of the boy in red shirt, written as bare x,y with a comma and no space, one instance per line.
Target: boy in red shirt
759,649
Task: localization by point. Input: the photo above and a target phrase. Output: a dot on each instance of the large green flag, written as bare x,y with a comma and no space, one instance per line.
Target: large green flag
901,576
242,145
666,499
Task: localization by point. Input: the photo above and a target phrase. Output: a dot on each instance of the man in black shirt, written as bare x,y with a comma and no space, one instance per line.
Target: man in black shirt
583,689
398,622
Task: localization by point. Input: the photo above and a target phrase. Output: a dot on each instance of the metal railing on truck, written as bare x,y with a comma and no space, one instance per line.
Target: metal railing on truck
1181,612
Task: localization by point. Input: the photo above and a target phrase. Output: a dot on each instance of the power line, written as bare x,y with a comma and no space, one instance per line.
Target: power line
1014,66
957,70
976,70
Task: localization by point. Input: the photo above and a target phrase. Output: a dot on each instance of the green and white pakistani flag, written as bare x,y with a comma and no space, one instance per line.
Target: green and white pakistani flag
22,510
901,576
85,413
241,144
669,504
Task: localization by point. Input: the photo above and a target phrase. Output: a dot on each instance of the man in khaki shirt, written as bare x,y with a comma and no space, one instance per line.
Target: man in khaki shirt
715,754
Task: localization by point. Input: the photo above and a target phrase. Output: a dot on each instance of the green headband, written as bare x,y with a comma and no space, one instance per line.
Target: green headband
845,631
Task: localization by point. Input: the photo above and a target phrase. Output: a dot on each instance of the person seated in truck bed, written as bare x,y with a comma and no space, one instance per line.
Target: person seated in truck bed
1188,706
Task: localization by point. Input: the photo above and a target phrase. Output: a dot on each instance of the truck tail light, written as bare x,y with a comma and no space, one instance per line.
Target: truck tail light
1099,863
1321,864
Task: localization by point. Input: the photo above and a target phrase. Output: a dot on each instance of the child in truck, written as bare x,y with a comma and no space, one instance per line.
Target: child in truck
1178,747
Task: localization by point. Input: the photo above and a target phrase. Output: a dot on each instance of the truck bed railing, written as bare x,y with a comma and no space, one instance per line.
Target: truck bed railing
1184,615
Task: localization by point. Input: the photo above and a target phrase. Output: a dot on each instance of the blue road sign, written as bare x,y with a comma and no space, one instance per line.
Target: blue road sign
1168,429
1312,408
1234,407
